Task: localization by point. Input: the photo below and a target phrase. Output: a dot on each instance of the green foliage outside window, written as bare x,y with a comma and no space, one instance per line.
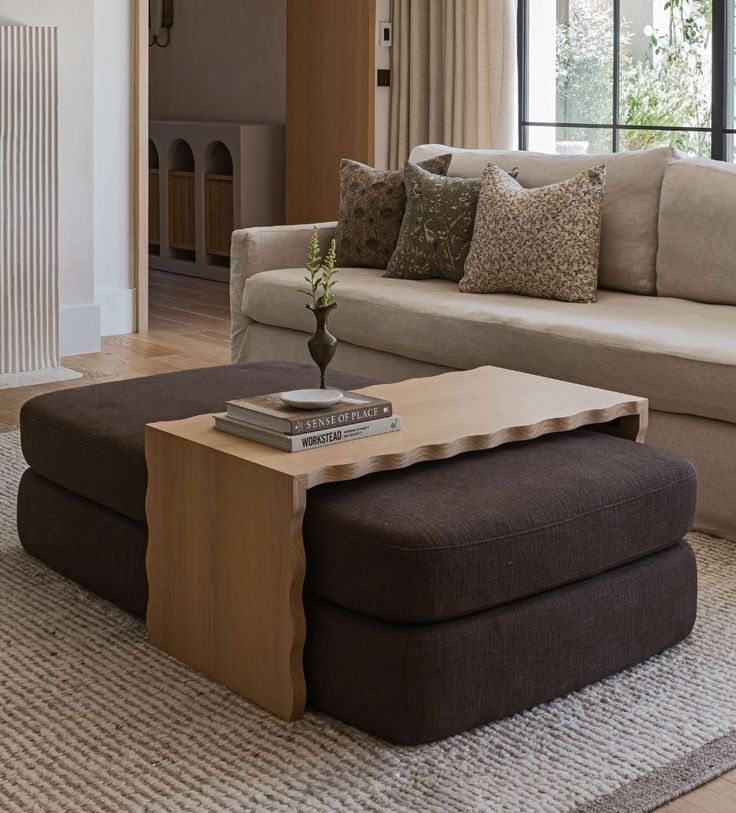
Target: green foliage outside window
671,87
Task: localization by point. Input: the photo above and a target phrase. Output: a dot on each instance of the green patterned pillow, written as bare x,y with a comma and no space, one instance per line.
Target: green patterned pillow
437,228
372,204
537,242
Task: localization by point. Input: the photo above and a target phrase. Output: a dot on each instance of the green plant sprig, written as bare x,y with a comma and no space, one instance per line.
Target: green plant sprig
321,274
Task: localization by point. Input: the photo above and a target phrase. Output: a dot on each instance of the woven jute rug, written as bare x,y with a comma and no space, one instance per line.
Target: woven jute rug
93,719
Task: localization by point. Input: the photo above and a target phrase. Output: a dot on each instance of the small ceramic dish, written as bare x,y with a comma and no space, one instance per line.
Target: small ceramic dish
311,399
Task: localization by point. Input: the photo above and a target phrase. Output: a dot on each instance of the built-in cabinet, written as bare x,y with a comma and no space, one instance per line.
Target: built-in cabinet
205,180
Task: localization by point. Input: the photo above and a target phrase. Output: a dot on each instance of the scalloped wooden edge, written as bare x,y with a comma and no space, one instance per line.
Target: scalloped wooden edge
476,443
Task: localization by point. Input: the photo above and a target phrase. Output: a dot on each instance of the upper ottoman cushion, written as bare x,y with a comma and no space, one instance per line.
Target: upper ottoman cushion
90,440
443,539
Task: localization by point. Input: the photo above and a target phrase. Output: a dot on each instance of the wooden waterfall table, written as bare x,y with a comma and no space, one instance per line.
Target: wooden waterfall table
225,556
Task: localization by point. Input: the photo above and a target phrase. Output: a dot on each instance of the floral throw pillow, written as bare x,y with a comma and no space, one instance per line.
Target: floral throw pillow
438,226
537,242
372,204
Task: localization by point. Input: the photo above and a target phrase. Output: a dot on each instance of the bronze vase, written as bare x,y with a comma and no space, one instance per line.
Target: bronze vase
323,344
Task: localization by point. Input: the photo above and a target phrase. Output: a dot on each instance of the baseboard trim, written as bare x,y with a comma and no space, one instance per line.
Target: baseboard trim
117,310
79,329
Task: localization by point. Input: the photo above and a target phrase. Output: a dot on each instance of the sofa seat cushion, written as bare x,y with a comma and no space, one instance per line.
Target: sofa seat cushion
679,354
90,440
443,539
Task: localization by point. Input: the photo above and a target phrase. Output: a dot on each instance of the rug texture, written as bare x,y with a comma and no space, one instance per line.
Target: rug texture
93,719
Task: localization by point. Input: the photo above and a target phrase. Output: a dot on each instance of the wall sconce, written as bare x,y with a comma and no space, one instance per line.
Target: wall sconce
160,19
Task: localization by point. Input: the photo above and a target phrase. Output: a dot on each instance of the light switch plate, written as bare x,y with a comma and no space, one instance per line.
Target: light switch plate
385,34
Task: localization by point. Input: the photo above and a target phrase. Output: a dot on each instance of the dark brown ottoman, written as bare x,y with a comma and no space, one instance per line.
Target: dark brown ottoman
438,597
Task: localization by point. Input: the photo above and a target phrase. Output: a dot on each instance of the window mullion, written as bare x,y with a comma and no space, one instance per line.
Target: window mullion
719,83
616,66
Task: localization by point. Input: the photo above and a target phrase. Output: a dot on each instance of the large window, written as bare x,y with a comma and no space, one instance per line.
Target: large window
611,75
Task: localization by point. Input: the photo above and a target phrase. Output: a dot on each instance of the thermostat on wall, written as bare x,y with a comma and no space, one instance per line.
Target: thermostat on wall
385,36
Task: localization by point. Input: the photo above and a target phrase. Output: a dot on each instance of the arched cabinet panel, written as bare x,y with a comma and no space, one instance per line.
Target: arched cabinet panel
182,223
212,178
218,203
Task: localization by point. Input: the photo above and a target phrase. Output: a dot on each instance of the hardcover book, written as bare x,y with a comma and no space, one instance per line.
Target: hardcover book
270,412
307,440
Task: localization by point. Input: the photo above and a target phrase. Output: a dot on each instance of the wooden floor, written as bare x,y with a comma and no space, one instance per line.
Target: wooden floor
718,796
190,327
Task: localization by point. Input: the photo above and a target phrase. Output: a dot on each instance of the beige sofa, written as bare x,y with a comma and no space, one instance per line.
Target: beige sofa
664,325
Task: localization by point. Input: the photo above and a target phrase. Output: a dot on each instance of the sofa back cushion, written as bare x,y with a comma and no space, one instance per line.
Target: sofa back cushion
630,201
697,239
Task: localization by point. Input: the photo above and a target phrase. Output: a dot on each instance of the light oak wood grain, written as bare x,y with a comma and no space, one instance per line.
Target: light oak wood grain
226,564
225,552
718,796
443,416
330,100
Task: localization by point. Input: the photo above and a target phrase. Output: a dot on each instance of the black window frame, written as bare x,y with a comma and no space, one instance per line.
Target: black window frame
722,59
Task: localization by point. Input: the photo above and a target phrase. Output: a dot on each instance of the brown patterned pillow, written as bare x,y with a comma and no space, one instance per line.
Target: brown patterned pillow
372,204
537,242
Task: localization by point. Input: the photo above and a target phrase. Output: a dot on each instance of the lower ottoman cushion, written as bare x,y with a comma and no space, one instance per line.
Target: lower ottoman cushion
90,440
413,683
100,549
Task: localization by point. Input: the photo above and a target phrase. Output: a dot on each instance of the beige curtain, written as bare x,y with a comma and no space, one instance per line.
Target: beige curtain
454,81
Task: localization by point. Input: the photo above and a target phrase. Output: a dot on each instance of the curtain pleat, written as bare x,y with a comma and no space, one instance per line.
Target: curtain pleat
453,75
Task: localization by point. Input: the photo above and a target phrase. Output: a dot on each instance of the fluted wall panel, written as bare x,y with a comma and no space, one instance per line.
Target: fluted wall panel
29,266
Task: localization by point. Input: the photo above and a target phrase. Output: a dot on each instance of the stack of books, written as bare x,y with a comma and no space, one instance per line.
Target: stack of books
267,419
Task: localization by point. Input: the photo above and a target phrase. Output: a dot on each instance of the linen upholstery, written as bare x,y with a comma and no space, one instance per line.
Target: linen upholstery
679,354
372,205
697,239
630,201
438,224
536,242
260,249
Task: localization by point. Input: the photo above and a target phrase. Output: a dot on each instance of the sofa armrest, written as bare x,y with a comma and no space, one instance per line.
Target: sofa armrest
265,248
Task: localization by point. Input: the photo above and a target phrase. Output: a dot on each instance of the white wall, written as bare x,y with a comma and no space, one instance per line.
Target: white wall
113,114
226,62
383,95
94,159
